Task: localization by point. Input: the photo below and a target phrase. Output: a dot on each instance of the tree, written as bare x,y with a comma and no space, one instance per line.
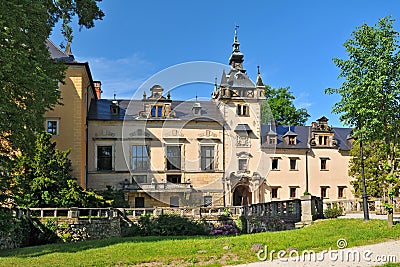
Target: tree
370,93
29,78
375,175
44,180
280,102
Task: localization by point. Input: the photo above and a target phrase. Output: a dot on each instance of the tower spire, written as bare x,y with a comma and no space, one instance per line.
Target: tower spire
259,79
236,59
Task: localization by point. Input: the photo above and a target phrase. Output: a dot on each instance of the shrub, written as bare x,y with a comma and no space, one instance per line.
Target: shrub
333,211
268,224
170,225
226,229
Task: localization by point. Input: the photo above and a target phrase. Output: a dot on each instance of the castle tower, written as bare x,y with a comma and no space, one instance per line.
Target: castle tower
239,100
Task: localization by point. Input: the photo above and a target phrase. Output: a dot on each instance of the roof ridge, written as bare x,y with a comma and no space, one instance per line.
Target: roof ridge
57,47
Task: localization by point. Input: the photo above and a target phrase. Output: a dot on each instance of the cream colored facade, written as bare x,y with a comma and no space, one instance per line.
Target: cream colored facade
163,152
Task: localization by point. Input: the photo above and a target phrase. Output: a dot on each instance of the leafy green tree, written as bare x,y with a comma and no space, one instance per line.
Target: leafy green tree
280,107
29,78
44,180
370,92
375,174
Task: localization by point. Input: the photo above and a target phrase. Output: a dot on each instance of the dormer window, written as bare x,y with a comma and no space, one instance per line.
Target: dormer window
196,109
323,140
272,140
290,137
156,111
114,107
292,140
243,110
114,110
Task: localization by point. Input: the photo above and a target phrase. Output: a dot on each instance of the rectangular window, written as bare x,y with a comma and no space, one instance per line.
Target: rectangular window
139,179
174,202
52,127
104,158
293,164
341,192
207,158
292,192
207,201
323,140
272,140
324,192
140,158
274,192
242,110
175,179
173,157
156,111
292,140
139,202
323,164
274,164
242,164
245,111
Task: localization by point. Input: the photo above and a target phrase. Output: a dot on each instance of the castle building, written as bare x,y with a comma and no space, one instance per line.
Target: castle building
164,152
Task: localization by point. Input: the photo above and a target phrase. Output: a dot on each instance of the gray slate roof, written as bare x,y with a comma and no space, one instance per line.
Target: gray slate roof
100,110
237,79
303,134
57,54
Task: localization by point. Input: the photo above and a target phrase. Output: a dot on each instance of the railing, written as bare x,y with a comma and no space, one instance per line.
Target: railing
79,213
131,213
288,210
160,186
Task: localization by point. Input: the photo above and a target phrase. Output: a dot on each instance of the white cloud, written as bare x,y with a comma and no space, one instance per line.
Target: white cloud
121,76
303,101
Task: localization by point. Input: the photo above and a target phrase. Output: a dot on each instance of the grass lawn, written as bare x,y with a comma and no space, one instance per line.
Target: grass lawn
214,251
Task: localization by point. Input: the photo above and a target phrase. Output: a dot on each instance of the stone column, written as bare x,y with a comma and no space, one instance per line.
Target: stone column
306,208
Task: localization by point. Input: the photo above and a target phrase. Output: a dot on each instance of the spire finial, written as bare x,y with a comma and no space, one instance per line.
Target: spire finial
215,81
258,70
235,36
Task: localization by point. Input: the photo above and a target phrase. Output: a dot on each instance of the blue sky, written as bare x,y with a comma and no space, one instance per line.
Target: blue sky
292,41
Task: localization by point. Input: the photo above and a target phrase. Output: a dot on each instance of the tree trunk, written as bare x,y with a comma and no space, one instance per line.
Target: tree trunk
390,212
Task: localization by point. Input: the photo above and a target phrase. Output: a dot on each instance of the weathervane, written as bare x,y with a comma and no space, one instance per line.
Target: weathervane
236,27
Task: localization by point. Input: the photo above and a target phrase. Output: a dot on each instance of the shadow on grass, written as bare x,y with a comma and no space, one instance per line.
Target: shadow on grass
36,251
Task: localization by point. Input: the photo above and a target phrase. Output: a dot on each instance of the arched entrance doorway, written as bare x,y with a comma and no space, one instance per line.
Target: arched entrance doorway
242,195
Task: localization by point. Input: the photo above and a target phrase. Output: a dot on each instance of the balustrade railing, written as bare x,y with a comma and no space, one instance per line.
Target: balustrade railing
288,210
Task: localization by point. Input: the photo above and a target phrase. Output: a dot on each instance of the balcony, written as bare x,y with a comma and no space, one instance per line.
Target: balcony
161,187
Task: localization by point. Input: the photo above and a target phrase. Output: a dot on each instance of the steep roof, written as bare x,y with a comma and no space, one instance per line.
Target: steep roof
303,135
239,79
57,54
129,110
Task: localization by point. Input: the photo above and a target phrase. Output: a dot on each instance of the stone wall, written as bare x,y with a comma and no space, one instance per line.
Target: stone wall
93,229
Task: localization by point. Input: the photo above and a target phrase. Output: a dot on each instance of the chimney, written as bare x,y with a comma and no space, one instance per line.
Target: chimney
97,89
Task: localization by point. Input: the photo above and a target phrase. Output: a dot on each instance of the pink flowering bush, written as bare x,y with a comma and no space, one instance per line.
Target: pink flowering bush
226,229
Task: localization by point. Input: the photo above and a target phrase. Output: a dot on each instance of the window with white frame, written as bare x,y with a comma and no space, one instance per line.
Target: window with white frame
104,158
174,157
293,164
52,126
274,164
140,158
207,158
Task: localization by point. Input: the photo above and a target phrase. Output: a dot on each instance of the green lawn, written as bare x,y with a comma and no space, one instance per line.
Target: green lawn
216,251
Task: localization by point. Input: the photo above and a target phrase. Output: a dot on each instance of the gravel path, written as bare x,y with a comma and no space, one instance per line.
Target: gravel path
369,255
